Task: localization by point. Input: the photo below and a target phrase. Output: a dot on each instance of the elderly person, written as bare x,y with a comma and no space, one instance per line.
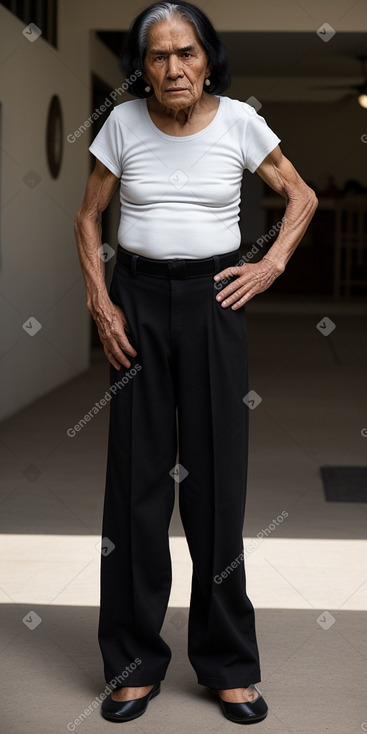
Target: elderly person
173,328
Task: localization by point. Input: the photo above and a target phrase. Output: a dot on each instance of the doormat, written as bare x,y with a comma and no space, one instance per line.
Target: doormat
344,483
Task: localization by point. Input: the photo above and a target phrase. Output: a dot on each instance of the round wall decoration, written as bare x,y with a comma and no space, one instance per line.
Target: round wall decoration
54,136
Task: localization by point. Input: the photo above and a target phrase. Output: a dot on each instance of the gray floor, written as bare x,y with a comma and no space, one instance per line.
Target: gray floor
307,578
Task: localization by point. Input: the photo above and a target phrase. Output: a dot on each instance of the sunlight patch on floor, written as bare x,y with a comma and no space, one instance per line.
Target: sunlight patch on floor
282,573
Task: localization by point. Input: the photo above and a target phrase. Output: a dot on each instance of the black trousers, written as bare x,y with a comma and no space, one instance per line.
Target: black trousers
190,373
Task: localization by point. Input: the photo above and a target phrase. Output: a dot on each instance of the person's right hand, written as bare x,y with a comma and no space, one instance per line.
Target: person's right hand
112,326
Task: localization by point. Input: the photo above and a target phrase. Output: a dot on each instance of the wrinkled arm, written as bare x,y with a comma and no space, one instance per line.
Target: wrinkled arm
100,188
301,203
110,318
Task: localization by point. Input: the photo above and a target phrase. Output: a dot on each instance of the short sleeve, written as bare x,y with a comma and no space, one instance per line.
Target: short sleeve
108,143
258,141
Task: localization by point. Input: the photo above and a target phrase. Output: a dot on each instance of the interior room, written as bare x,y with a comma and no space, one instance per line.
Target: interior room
303,67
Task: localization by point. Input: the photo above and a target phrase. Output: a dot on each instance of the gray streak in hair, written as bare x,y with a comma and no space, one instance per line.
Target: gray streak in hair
157,15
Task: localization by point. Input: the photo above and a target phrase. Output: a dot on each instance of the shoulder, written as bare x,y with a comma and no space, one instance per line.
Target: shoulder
236,105
238,111
128,110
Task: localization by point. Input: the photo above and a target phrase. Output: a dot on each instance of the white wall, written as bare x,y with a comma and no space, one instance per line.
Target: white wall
40,274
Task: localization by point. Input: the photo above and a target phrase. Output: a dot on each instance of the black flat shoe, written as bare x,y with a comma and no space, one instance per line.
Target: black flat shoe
127,710
246,712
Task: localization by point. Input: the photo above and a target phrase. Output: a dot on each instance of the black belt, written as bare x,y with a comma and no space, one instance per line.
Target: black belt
177,267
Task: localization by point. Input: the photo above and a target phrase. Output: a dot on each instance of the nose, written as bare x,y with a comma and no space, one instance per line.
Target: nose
174,69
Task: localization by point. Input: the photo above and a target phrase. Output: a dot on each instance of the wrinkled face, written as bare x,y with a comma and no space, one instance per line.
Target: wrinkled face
176,59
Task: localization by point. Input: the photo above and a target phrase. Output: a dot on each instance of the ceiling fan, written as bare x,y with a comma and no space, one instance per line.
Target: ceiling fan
358,90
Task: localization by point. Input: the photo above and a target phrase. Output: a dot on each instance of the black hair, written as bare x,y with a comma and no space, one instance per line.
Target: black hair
133,54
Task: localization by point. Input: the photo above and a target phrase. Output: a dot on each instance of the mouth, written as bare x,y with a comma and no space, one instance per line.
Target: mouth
176,89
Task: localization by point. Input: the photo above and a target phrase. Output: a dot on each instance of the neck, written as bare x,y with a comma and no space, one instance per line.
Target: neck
181,115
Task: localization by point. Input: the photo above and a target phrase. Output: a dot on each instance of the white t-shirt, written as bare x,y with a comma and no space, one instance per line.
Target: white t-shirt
180,196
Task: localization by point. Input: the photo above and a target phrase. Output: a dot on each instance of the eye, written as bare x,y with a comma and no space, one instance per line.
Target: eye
158,57
186,53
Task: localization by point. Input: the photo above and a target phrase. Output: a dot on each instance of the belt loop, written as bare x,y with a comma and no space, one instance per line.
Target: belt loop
133,265
217,267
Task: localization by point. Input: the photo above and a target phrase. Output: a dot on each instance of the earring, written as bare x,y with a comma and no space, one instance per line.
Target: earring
207,82
147,89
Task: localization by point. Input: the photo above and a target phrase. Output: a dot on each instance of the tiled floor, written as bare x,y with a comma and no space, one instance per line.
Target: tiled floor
307,578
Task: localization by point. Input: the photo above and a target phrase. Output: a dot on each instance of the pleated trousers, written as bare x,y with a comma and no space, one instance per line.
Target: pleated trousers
190,374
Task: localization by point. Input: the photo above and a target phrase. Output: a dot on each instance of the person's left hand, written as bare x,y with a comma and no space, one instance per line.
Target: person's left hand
252,278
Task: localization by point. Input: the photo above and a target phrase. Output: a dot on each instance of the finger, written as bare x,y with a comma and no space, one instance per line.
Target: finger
118,337
245,298
228,272
234,297
115,364
246,277
121,357
114,350
233,288
241,302
247,291
112,359
117,344
124,344
123,361
123,338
